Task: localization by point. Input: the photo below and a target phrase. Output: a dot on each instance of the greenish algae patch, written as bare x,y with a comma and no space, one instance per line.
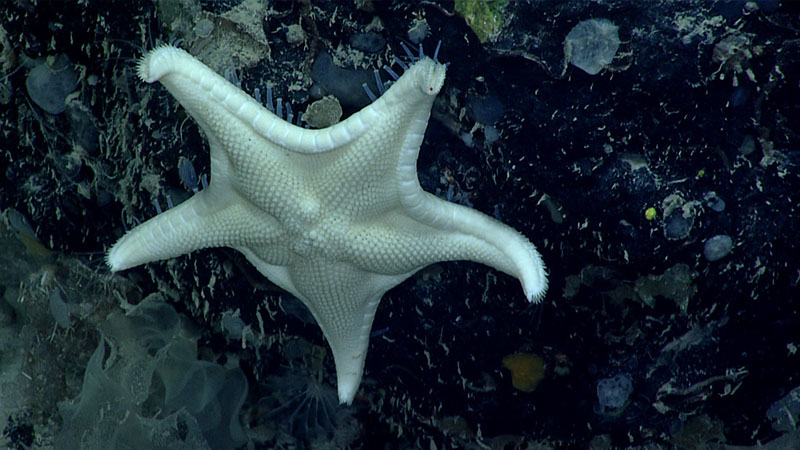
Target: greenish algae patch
485,17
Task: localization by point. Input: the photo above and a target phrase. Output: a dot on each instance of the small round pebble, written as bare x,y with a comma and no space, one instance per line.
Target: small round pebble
614,392
592,44
295,34
676,226
419,31
203,28
717,247
49,85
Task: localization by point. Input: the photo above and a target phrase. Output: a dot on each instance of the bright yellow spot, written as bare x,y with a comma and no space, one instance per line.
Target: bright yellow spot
701,173
527,370
650,213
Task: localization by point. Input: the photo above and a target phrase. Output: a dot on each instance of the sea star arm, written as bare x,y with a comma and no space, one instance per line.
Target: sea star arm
471,235
203,221
401,243
344,306
197,88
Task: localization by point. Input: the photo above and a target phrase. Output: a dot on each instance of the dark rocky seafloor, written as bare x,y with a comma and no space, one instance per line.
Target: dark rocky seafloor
662,192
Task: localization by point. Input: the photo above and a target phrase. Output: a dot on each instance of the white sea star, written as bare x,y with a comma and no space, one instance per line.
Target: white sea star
335,216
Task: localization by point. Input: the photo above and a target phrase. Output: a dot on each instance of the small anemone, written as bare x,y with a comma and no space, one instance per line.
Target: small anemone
304,405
